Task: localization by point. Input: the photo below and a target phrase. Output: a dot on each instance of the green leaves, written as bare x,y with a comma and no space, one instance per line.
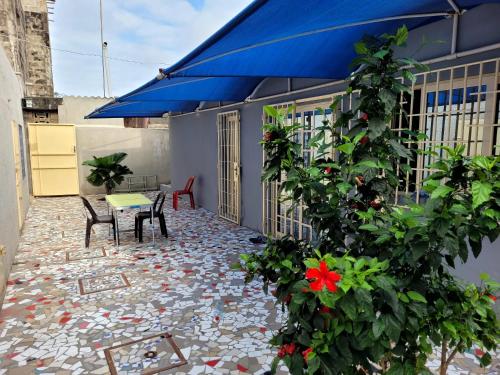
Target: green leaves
481,192
345,191
107,170
441,192
415,296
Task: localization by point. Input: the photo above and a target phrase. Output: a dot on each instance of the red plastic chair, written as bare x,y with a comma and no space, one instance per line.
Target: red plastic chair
188,190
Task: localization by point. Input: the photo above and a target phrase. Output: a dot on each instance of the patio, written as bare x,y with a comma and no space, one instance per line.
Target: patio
65,305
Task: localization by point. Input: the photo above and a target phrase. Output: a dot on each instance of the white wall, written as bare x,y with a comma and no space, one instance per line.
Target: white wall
147,151
11,94
74,109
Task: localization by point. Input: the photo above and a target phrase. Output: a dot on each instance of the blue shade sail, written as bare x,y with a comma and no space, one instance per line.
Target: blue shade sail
275,38
142,109
197,88
297,38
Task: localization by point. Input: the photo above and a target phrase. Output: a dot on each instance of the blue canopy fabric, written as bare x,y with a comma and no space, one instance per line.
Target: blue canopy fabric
297,38
197,88
142,109
273,38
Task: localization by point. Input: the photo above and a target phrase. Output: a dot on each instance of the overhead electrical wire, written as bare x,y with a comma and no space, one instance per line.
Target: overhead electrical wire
90,54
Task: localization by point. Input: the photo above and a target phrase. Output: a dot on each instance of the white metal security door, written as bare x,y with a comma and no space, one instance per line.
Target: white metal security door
228,146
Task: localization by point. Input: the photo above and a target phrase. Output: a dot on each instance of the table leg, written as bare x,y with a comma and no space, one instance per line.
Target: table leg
109,226
117,229
152,224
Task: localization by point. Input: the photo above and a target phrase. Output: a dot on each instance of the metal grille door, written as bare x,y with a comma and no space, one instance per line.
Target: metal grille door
228,146
451,106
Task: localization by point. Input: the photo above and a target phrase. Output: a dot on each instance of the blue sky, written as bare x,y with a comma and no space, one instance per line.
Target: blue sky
156,33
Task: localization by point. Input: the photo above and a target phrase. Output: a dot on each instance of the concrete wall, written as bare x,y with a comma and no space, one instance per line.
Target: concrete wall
10,111
193,141
39,58
147,151
74,109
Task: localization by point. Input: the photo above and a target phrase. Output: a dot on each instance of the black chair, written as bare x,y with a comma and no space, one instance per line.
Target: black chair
96,219
157,212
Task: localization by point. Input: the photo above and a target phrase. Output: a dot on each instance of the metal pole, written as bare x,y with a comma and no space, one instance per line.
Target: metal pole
102,50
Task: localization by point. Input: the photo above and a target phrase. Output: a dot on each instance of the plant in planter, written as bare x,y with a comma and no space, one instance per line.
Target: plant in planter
373,293
107,170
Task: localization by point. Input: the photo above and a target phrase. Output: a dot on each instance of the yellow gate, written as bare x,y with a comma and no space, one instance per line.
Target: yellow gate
54,167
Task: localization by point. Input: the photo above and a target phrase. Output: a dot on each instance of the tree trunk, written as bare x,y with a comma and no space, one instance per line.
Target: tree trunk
444,364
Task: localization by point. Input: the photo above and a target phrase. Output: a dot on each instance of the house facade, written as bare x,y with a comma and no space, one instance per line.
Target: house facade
455,102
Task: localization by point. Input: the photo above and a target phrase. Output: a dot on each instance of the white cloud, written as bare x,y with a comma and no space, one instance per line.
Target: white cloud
159,32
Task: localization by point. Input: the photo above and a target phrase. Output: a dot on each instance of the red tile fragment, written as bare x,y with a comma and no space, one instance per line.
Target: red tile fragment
97,345
66,313
137,320
162,310
31,307
106,314
64,319
39,363
83,325
158,267
13,299
11,355
30,316
262,329
212,362
241,368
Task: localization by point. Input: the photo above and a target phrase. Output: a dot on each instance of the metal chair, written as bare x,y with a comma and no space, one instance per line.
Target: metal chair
96,219
157,213
188,190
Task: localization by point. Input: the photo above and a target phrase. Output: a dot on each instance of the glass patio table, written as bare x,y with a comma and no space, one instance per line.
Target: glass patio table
120,202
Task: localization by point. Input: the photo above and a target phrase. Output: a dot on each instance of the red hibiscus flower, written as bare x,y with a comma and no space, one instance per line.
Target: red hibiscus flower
306,353
322,277
325,310
492,297
364,140
282,352
364,116
287,349
290,348
328,170
268,137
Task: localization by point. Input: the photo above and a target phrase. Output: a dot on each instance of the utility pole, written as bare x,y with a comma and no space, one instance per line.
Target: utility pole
102,51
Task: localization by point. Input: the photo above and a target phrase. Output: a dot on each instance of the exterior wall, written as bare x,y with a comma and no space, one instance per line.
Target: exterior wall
39,59
10,111
147,151
193,143
73,110
13,35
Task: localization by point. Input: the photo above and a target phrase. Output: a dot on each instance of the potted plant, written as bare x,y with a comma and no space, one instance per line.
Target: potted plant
107,170
374,292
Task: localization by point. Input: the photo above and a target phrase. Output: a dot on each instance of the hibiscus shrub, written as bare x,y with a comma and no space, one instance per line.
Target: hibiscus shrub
373,292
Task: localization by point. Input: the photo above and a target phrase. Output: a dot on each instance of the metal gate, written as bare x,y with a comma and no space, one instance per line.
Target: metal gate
228,165
54,167
452,105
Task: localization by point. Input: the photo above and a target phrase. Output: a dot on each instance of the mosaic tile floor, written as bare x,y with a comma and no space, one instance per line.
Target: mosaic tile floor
135,296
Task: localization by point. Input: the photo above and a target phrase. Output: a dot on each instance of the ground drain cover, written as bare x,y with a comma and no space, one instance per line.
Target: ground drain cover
102,283
150,355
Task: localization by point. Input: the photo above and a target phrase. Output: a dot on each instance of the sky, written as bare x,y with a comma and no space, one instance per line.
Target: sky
156,33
